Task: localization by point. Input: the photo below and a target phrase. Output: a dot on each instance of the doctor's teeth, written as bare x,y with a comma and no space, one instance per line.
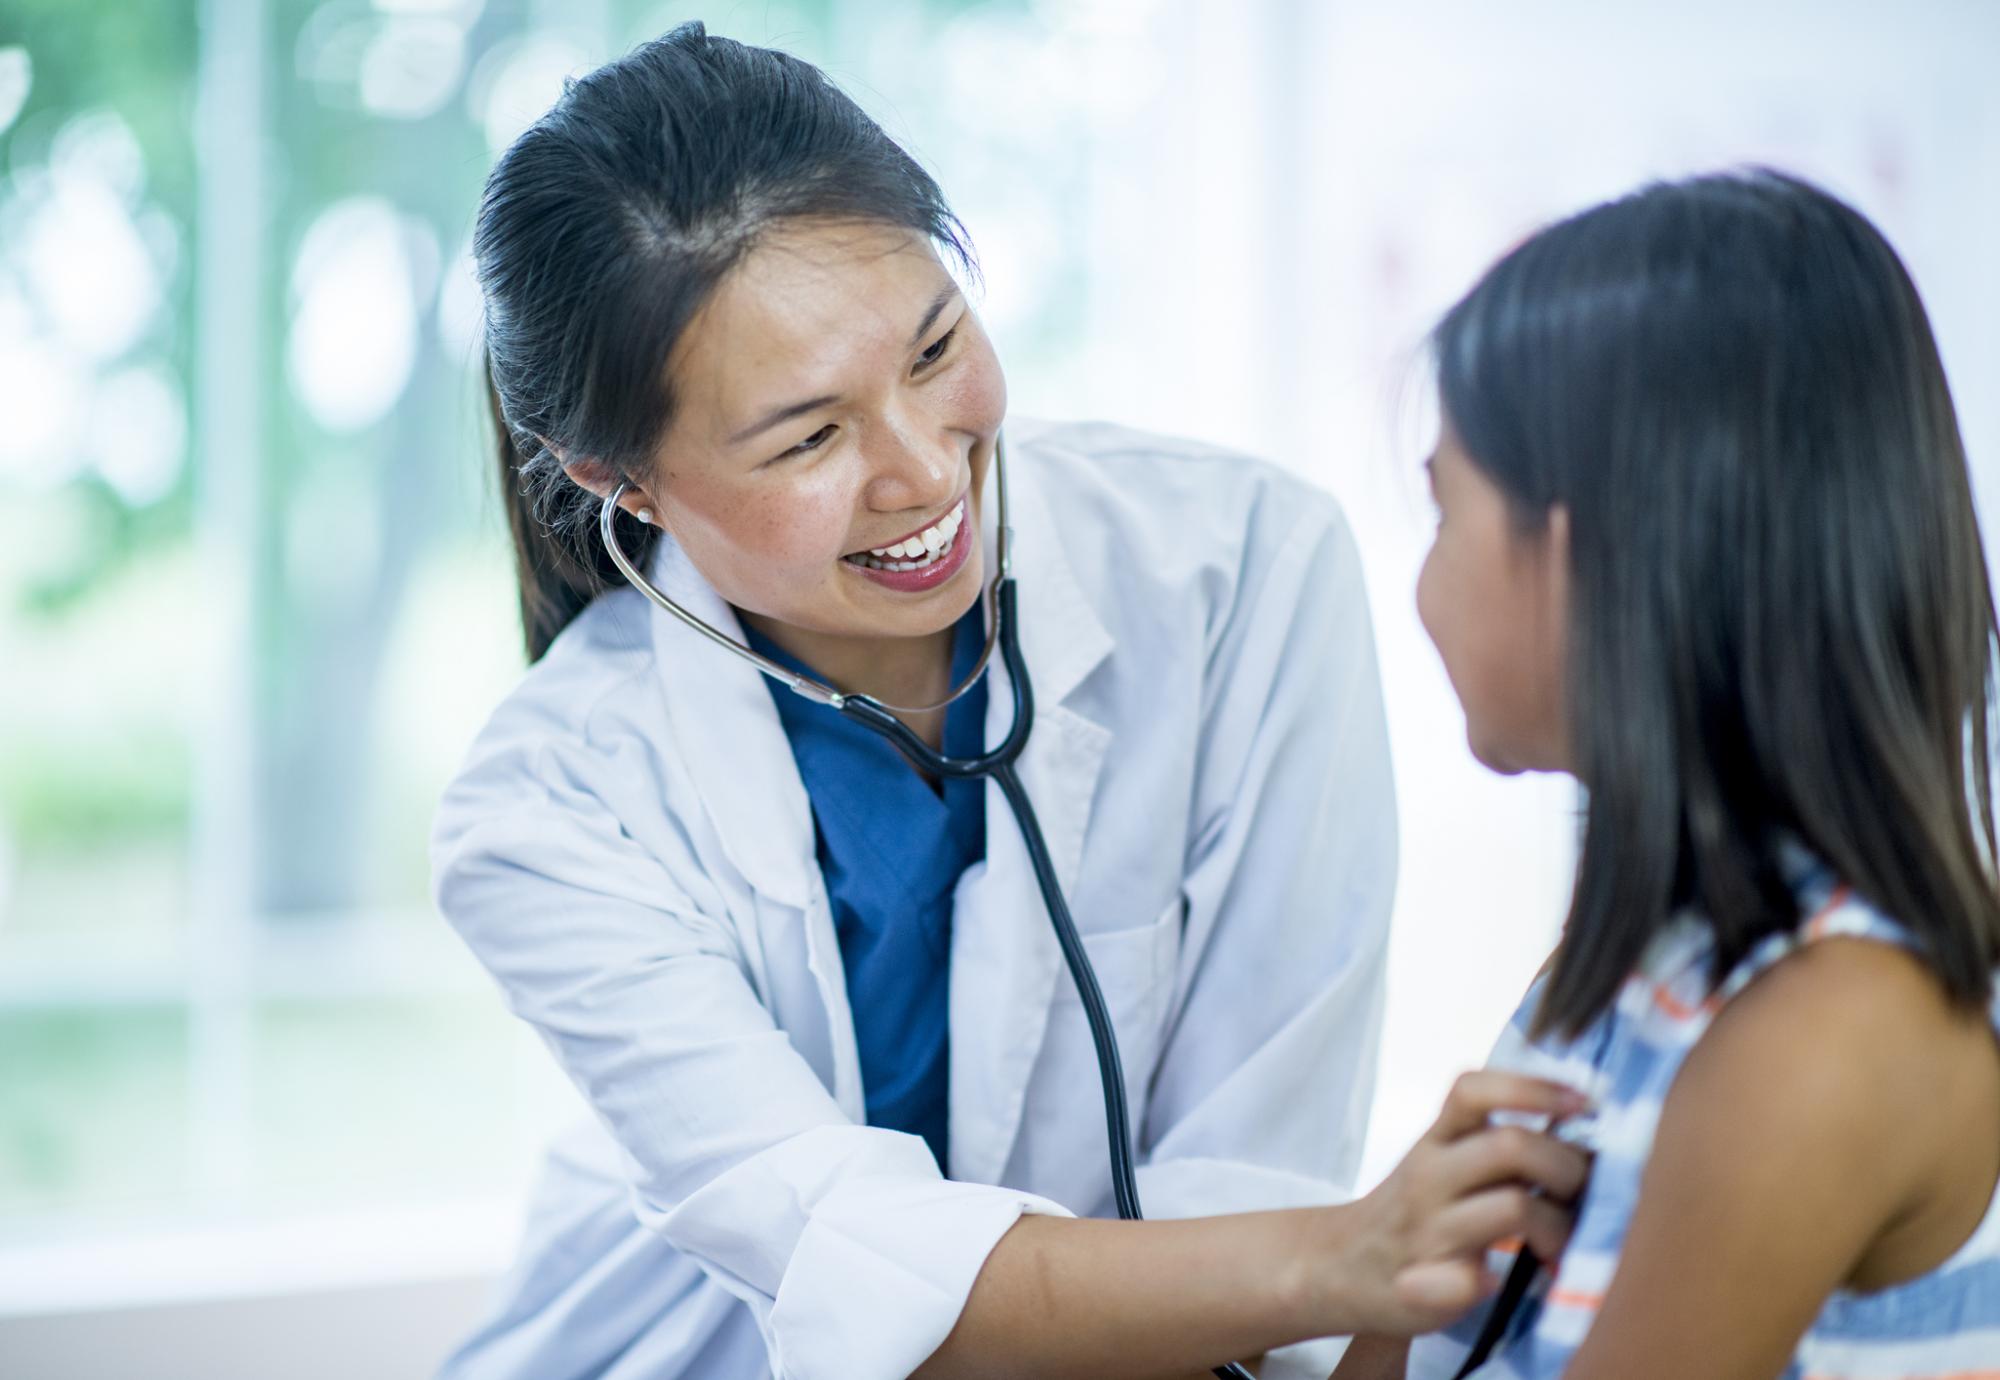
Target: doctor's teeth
877,562
928,542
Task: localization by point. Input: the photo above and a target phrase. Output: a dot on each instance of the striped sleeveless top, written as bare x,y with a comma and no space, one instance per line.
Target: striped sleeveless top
1941,1326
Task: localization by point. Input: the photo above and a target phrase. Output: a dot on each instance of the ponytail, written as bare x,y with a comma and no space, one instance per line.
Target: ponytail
560,562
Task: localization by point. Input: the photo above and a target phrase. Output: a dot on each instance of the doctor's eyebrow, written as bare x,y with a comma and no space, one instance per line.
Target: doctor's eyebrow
784,414
938,304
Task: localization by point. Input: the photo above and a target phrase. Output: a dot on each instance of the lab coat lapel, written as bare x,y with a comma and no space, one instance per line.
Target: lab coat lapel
1005,961
728,736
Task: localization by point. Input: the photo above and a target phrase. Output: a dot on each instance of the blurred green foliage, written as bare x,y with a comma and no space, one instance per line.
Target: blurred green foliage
93,1109
56,800
138,61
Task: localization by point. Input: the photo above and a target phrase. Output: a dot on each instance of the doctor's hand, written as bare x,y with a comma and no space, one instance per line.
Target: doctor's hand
1418,1260
1062,1297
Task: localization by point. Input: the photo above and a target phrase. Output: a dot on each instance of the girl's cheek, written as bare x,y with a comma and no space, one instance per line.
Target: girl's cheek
1427,597
1445,622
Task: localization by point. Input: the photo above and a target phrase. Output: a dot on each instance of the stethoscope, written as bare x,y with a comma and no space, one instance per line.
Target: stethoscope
996,764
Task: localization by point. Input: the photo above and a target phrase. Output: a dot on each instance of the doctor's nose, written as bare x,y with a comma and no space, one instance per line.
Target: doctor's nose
912,470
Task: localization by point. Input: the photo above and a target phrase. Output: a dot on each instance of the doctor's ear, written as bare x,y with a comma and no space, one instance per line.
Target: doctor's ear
601,480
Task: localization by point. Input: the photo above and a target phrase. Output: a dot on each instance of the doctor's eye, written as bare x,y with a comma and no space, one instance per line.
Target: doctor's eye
937,351
811,443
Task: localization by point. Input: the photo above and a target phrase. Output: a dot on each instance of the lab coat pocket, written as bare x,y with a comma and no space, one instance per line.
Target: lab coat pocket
1135,971
1062,1143
1134,967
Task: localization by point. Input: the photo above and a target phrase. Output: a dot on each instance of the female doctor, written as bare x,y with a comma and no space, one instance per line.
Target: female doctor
845,1103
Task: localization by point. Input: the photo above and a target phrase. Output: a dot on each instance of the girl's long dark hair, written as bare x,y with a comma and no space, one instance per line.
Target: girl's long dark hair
604,229
1781,622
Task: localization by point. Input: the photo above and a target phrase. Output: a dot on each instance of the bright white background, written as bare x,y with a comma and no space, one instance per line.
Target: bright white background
1229,218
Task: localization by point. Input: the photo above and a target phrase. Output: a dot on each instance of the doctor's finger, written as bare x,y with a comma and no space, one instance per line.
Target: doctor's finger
1476,1096
1499,1215
1441,1290
1511,1154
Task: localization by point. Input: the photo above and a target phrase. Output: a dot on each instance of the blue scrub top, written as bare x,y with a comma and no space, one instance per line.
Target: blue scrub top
891,851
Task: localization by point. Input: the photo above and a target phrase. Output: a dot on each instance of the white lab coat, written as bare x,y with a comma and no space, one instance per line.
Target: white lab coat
629,851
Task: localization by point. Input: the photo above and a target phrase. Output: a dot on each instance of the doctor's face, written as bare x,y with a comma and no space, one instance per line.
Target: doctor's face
1494,599
836,408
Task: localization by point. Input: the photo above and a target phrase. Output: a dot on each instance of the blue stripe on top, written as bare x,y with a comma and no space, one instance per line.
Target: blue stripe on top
891,849
1945,1323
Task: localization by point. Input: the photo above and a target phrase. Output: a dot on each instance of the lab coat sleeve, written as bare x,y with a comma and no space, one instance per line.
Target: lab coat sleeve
855,1255
1262,1092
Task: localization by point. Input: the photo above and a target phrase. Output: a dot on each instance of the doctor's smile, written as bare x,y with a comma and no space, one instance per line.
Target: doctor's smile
932,554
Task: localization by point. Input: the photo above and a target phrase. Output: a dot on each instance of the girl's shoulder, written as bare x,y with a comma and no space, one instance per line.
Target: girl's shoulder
1673,996
1855,1113
1840,997
1805,1127
1841,1019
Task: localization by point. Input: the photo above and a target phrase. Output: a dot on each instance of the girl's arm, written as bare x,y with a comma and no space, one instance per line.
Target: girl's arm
1808,1143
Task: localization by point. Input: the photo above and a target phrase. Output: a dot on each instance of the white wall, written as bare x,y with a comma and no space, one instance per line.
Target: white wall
1305,187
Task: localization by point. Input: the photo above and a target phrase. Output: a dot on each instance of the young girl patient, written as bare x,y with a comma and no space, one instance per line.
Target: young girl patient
1706,542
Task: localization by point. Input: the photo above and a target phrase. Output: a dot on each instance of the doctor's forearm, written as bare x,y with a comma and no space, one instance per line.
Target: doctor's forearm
1062,1297
1375,1358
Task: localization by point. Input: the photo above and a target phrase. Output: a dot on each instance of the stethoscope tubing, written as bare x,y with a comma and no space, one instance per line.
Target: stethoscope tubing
1500,1317
998,765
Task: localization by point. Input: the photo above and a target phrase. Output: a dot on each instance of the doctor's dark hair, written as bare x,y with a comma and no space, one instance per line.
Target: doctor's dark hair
1780,620
602,232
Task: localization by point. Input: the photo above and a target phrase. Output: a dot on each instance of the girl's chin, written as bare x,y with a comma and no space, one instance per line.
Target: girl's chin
1508,762
1495,757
